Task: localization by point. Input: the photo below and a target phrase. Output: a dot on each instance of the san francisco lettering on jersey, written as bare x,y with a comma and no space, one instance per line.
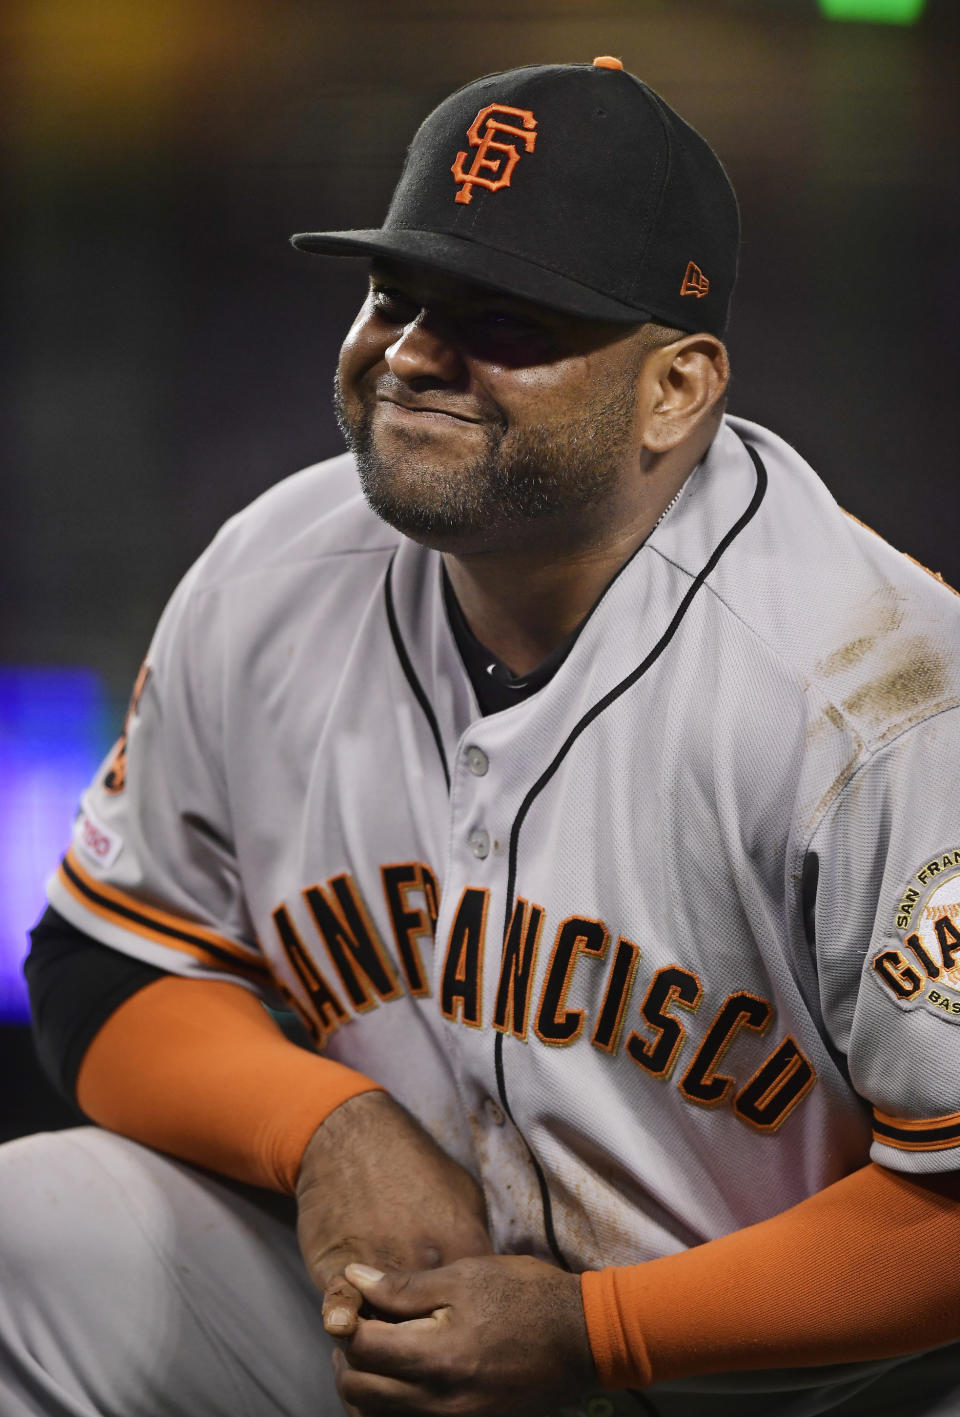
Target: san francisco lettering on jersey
362,976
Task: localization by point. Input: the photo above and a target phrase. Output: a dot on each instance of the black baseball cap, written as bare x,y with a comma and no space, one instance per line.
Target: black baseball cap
571,185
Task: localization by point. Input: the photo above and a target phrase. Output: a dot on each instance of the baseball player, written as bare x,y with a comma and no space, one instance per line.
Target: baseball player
582,777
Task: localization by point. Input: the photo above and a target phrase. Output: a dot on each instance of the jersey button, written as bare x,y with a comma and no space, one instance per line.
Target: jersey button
494,1112
477,760
479,841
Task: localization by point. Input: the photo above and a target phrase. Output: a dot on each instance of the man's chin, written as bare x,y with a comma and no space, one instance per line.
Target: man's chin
439,532
421,500
483,533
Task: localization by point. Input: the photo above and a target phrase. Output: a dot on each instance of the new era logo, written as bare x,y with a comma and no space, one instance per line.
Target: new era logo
694,282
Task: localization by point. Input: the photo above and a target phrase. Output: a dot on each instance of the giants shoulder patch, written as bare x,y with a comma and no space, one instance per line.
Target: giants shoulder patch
924,970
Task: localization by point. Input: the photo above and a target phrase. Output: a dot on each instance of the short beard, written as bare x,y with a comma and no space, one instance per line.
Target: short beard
539,473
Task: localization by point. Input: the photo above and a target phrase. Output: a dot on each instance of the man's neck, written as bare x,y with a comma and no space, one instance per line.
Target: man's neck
522,609
521,604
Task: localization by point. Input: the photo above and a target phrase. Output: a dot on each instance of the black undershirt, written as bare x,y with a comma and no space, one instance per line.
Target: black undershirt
76,983
495,686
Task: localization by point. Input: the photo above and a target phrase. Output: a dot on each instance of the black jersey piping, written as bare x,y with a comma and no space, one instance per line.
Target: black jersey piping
588,718
409,673
235,965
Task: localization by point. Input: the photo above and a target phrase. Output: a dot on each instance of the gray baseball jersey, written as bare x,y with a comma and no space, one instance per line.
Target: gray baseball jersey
658,951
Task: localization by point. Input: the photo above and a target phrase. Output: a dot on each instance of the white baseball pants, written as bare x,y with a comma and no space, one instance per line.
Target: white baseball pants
132,1285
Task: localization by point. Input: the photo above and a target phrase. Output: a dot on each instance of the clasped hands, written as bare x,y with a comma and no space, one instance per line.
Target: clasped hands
428,1320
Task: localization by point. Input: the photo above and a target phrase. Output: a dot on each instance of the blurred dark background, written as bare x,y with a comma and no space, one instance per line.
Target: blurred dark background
166,355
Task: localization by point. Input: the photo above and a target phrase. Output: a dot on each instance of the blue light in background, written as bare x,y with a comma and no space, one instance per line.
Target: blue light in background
55,727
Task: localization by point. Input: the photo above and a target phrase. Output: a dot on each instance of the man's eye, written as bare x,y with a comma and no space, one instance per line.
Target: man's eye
392,304
501,322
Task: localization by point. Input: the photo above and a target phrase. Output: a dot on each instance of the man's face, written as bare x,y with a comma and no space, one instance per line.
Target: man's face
479,420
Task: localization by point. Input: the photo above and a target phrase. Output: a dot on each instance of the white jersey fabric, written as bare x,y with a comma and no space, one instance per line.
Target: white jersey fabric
657,952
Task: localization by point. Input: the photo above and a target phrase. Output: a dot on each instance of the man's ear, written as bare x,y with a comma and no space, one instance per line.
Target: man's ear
683,382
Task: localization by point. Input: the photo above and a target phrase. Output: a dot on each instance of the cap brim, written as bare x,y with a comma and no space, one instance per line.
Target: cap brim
482,265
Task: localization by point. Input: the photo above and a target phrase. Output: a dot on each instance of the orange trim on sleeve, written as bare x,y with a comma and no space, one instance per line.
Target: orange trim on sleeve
175,931
911,1134
863,1269
199,1069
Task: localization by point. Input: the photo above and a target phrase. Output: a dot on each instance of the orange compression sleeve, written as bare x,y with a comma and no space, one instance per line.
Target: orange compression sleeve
199,1069
863,1269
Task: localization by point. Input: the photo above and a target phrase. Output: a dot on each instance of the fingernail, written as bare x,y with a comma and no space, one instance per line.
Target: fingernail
361,1274
338,1318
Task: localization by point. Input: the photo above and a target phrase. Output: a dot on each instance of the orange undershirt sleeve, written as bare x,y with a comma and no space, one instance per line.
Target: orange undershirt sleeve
863,1269
199,1069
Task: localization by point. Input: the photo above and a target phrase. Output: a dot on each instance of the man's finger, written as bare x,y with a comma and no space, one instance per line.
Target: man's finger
404,1293
373,1394
338,1366
407,1350
341,1307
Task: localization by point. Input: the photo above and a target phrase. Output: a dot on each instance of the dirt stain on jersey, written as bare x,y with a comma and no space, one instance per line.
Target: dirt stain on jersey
886,703
847,655
514,1207
918,679
598,1224
833,715
879,616
829,718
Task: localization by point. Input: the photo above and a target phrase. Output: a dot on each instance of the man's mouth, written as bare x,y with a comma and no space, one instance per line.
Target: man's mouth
426,411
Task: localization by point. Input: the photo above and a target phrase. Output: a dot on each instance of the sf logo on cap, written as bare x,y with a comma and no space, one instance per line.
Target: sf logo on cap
507,154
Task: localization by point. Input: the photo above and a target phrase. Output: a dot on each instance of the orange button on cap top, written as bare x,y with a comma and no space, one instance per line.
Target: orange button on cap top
607,61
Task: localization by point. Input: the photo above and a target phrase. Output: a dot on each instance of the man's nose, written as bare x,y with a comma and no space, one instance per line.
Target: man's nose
425,349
